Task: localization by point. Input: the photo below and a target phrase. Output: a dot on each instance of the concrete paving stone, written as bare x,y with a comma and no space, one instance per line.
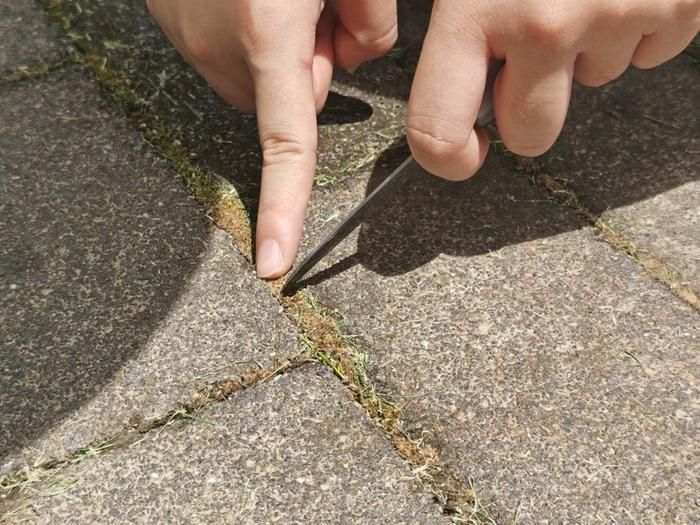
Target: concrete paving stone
29,38
295,450
117,297
541,363
631,150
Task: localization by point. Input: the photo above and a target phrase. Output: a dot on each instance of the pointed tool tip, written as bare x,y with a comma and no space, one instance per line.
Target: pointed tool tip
289,289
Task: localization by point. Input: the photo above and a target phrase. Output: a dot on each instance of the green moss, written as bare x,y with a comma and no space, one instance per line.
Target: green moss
38,70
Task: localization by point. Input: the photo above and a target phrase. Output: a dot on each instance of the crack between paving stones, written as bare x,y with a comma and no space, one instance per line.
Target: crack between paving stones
653,266
39,70
20,486
318,324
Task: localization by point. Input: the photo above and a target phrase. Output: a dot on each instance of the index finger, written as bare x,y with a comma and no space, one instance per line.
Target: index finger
286,108
367,30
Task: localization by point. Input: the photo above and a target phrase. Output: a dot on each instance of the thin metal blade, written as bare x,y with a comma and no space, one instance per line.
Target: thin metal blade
380,195
352,221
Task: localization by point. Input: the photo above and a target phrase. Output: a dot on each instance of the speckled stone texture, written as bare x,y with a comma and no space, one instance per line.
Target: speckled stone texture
631,150
295,450
542,364
29,38
117,298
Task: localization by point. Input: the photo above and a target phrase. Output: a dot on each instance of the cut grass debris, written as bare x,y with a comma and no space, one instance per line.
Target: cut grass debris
44,480
323,179
325,338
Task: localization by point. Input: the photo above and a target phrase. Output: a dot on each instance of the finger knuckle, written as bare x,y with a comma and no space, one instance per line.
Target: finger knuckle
687,10
198,46
552,31
434,139
594,80
646,58
600,77
284,148
379,42
284,206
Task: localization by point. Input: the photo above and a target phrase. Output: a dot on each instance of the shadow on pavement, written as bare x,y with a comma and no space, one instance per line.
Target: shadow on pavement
98,242
623,143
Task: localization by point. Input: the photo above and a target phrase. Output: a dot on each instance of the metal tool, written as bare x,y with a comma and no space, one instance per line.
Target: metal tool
380,195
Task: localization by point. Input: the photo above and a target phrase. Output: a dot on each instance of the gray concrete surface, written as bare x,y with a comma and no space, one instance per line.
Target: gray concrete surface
295,450
29,38
543,364
631,150
118,299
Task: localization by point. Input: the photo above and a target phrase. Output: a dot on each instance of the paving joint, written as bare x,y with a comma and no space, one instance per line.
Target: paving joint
21,485
321,327
39,70
653,265
324,336
320,333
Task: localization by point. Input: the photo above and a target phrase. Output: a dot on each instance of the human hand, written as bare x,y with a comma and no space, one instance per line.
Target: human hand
276,57
546,44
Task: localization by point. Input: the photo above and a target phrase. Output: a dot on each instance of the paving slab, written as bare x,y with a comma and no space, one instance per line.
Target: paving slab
29,38
631,151
543,365
295,450
117,297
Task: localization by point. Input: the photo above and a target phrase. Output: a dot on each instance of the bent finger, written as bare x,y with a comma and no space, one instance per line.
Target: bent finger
531,99
445,99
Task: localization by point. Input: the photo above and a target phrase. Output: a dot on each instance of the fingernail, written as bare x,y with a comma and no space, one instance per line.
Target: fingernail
269,259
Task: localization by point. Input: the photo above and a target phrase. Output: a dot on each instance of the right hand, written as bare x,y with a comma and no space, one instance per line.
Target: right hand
545,44
276,57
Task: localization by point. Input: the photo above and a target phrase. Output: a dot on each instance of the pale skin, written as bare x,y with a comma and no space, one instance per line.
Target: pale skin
276,58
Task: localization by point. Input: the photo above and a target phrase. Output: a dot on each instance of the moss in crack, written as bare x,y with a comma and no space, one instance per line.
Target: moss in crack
64,13
38,70
326,340
653,265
